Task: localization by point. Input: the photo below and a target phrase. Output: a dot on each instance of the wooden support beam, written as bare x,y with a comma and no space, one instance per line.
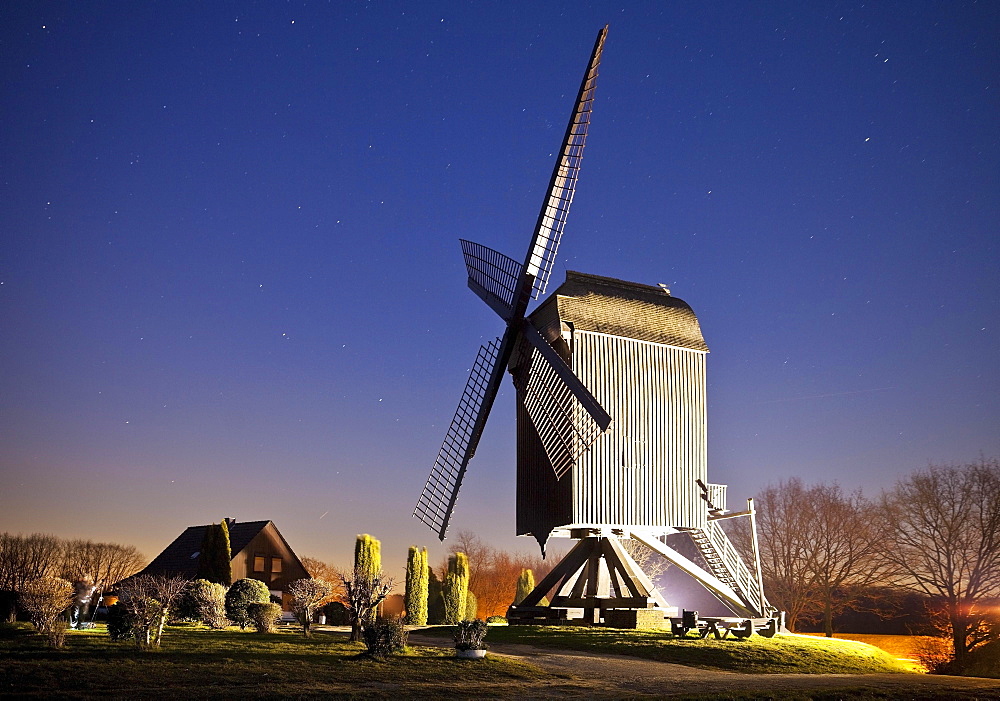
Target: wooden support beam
720,589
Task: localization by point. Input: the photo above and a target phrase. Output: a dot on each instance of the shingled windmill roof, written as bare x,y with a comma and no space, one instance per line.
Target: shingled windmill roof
620,308
181,556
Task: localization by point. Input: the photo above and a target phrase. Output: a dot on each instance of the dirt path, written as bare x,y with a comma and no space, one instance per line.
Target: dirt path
615,676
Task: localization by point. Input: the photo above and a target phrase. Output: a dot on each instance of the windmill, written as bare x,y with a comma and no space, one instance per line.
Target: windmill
594,343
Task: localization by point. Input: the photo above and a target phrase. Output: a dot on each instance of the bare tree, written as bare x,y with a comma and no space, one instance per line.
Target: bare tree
820,549
27,557
23,558
147,600
104,564
943,535
846,548
784,525
308,595
45,598
318,569
493,572
364,593
650,562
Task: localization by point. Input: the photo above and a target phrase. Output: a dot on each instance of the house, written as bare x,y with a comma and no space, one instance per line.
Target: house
258,550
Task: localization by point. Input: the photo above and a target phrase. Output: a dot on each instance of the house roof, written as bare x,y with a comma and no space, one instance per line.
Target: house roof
620,308
181,556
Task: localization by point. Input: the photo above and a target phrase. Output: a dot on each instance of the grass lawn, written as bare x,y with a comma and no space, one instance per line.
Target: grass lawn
196,662
782,654
903,647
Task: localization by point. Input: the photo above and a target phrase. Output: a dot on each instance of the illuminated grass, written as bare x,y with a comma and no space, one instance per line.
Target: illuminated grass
197,662
782,654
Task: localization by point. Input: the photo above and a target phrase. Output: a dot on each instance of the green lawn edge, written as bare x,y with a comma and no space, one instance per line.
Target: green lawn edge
782,654
197,662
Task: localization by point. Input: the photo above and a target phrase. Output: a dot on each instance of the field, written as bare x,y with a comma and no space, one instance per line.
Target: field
199,663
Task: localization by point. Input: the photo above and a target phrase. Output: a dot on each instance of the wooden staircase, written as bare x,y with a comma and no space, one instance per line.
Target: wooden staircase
726,565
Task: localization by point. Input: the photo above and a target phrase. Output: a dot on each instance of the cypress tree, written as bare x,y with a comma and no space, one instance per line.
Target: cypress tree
456,588
525,583
215,561
367,566
367,557
435,598
416,586
471,606
225,555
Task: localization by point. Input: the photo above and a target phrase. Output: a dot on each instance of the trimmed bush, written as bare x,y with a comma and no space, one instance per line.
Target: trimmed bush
416,587
471,606
497,620
205,601
264,617
384,637
525,583
456,588
243,593
337,614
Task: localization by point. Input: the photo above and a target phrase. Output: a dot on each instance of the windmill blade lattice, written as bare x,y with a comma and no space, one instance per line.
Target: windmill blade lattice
564,425
555,209
437,500
496,274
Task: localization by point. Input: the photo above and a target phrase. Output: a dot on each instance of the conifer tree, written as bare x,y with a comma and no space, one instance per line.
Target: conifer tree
416,586
367,556
367,570
215,561
525,583
471,606
435,598
456,588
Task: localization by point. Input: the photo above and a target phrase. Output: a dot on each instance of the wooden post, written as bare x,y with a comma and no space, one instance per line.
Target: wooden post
756,553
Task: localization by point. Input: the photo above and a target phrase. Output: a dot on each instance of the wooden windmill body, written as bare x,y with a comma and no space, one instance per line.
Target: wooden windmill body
611,439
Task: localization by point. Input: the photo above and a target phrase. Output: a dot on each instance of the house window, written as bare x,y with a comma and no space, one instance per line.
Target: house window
275,565
258,563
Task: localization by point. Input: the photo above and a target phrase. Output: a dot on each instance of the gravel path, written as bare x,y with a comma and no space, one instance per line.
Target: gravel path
614,676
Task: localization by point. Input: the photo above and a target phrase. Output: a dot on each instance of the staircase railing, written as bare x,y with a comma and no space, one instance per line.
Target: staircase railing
726,564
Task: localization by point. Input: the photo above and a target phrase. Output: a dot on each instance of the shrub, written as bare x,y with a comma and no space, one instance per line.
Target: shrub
119,627
384,637
57,634
243,593
416,586
497,620
264,616
469,635
337,614
44,598
207,601
934,654
471,606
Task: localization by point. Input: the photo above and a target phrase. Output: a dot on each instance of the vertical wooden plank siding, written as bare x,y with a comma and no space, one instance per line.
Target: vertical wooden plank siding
643,471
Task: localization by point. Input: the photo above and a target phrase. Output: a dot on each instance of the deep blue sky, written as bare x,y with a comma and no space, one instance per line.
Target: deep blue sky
230,283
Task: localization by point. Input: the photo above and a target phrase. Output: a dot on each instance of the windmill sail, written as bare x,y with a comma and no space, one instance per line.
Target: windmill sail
565,415
555,208
507,286
437,501
492,275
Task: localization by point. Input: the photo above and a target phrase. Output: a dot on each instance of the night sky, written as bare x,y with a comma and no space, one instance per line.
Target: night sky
230,279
